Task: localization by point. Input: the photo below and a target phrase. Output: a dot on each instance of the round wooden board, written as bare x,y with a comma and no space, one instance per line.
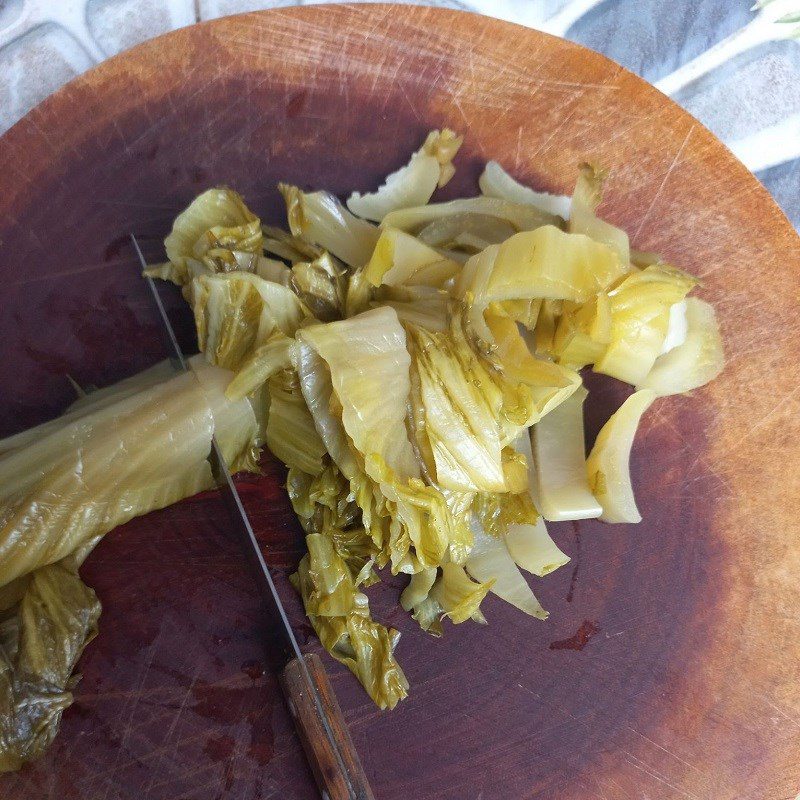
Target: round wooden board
669,665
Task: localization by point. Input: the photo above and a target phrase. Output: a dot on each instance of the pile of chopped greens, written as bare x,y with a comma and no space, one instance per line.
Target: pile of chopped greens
416,367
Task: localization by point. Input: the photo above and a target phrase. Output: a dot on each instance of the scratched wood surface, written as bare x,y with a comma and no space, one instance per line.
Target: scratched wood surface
669,665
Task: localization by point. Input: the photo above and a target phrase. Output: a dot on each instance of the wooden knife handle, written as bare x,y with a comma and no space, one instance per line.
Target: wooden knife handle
334,782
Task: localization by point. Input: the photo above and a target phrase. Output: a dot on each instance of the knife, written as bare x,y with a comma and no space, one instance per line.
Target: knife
309,695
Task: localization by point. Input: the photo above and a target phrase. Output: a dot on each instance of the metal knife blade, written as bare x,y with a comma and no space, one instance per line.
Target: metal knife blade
311,700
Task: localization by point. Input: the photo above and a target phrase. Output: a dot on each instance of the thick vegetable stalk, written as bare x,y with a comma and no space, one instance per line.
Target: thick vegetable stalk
145,452
319,218
86,404
528,542
491,561
133,448
400,259
559,456
508,535
640,316
608,465
695,362
62,493
533,549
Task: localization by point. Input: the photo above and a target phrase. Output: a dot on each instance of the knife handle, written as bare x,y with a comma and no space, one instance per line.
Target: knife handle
333,782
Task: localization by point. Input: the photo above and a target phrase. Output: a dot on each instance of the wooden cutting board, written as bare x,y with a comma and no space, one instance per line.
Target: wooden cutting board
669,665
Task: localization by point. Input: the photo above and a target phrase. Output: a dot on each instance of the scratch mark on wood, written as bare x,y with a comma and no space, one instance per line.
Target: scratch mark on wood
134,702
642,767
173,725
561,125
780,711
787,398
518,151
663,183
411,104
664,749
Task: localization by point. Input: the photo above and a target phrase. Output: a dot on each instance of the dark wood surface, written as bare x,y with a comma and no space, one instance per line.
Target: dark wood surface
327,742
669,665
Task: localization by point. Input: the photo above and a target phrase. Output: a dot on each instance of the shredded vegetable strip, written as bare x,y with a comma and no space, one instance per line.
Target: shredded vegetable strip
559,457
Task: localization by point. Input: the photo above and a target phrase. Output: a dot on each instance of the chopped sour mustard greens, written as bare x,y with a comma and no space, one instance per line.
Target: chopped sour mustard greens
414,365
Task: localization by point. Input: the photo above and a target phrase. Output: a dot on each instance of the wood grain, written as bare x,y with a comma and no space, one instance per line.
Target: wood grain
669,665
331,754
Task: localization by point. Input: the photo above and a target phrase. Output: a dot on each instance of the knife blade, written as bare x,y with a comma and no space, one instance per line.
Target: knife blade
319,720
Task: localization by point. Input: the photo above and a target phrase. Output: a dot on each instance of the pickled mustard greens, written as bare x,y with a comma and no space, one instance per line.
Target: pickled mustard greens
429,168
400,259
205,237
496,182
415,366
694,361
607,464
559,455
119,453
40,643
